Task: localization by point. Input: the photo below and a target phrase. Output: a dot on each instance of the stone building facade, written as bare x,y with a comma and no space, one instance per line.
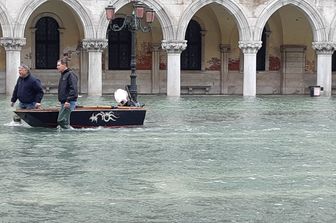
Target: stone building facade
244,47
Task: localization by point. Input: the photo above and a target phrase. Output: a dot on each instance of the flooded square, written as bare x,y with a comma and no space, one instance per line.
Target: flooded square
196,159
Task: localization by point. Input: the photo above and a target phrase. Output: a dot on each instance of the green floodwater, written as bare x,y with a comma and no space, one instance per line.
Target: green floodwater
196,159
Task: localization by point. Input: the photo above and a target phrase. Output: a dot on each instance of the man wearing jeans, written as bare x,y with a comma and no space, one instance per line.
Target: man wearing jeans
67,92
28,90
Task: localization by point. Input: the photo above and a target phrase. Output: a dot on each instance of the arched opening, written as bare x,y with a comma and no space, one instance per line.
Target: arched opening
47,43
289,62
191,56
217,52
261,55
119,47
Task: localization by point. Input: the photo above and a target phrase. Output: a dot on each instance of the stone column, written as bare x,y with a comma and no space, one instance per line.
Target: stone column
174,49
156,68
13,48
83,66
95,48
250,49
224,71
324,51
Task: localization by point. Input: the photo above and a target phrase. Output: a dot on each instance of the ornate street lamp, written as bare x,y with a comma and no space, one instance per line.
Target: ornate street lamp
140,20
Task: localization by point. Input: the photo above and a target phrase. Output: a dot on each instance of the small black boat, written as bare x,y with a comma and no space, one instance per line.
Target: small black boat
86,116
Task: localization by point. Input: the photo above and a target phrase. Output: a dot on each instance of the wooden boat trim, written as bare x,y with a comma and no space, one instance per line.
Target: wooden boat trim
84,108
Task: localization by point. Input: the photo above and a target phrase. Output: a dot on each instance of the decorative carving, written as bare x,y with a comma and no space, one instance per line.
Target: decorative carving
250,47
174,46
105,116
324,47
12,43
95,44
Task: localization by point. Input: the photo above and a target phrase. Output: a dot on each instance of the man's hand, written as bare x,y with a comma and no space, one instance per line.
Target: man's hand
37,105
12,104
66,105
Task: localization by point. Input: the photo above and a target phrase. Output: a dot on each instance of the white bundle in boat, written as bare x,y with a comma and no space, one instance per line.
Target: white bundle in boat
121,96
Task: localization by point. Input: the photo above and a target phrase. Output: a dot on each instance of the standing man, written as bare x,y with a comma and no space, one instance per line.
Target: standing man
67,92
28,90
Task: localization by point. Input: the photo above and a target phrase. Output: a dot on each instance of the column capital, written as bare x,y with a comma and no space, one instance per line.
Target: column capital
96,45
326,48
224,48
12,43
250,47
174,46
156,47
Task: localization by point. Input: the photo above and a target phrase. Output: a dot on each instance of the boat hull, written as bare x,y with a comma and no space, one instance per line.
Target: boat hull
85,117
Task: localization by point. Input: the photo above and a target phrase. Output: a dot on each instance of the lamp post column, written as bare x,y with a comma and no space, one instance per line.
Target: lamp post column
250,49
324,51
174,49
134,22
133,87
13,48
95,73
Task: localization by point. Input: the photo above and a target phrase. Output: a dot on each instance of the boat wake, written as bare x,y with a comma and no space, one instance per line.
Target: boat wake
14,124
60,129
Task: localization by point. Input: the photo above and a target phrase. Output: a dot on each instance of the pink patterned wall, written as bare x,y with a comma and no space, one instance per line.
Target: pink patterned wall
234,64
310,66
274,63
144,57
213,64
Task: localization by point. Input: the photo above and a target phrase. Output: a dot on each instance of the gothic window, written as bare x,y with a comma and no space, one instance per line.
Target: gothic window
46,43
119,47
191,56
261,55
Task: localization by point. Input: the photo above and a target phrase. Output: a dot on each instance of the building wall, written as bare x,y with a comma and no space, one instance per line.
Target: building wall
290,22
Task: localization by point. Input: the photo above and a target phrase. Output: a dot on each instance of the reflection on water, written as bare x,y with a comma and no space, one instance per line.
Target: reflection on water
196,159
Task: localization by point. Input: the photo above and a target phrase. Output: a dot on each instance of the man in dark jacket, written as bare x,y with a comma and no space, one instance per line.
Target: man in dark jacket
67,92
28,89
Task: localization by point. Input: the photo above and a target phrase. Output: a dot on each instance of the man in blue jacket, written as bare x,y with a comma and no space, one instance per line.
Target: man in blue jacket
28,90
